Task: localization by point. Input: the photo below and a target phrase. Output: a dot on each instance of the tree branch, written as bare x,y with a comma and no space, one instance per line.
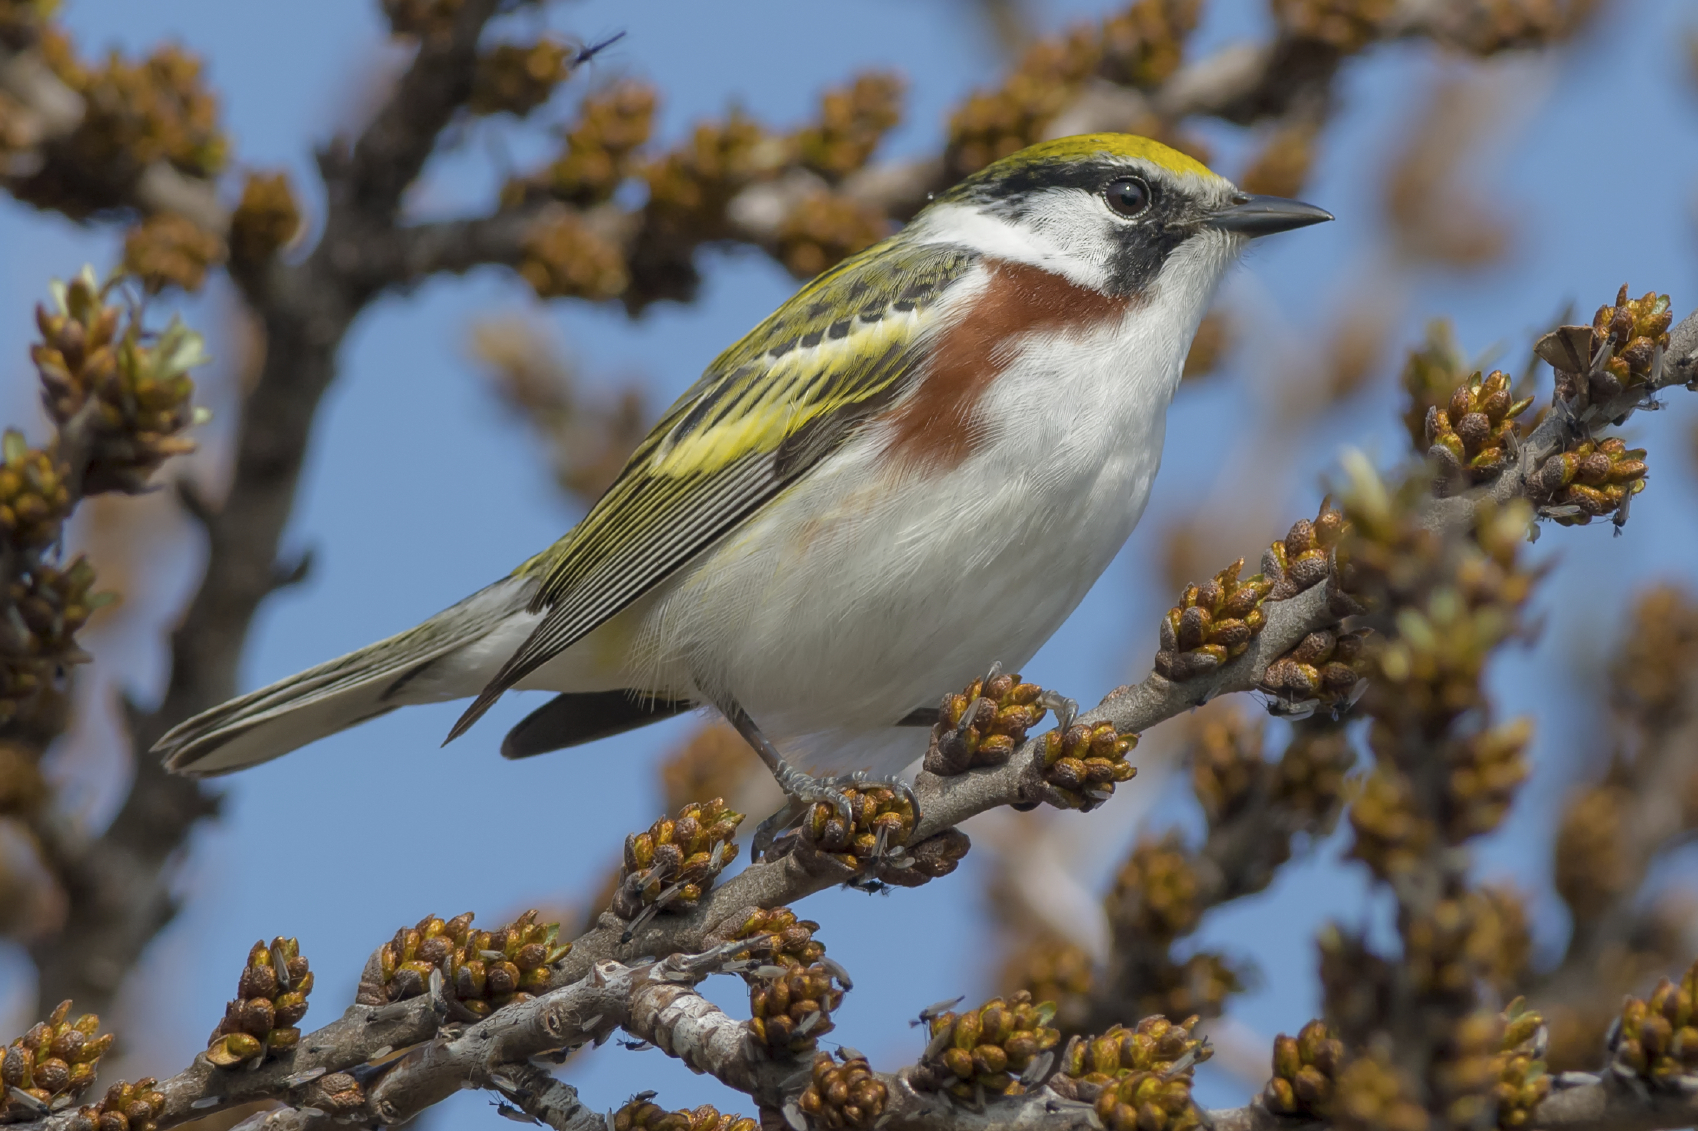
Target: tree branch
118,884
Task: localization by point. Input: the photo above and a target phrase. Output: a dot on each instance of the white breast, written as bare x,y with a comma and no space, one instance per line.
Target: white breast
864,592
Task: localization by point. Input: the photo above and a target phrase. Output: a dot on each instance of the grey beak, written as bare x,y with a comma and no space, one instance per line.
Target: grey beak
1253,215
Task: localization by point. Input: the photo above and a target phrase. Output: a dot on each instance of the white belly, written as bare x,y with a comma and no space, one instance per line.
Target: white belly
863,592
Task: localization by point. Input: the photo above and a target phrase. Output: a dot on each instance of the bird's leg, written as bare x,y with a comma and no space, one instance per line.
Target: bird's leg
800,790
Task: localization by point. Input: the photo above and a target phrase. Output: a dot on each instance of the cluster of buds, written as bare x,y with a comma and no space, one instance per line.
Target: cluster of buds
641,1113
266,218
124,1107
1156,892
515,78
677,859
984,724
692,185
1082,765
1305,555
612,124
271,999
852,121
1465,1070
1142,45
1343,25
1486,769
1373,1093
880,819
564,258
1392,833
1355,985
1137,1079
34,498
789,1011
1227,766
47,606
992,124
1593,479
784,939
995,1050
1455,600
1325,669
1655,660
1200,985
1139,46
1656,1040
134,115
1473,436
1519,1067
1505,25
1468,937
825,228
481,971
1592,866
167,250
1213,623
52,1064
1619,351
1305,1072
130,395
1430,378
843,1091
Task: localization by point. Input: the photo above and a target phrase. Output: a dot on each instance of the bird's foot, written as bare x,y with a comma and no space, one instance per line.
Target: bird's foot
857,818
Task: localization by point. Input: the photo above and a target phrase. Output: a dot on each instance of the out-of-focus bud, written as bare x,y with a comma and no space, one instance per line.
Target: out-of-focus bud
166,250
266,220
516,78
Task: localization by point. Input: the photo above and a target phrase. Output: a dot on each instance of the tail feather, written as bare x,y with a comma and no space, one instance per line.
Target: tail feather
407,668
574,719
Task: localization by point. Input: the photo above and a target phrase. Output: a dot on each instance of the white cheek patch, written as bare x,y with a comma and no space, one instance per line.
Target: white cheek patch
1054,238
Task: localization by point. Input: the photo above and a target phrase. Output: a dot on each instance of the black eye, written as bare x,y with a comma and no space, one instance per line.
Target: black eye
1127,196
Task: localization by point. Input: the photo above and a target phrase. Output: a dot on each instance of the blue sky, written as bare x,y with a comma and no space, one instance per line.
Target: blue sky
419,488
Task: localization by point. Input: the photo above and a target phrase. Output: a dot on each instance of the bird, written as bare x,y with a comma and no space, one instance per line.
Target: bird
913,469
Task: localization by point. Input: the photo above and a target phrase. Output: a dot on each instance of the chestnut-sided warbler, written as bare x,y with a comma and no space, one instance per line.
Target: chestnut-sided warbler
914,468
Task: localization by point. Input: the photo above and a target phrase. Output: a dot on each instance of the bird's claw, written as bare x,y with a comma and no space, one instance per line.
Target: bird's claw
1064,708
804,791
